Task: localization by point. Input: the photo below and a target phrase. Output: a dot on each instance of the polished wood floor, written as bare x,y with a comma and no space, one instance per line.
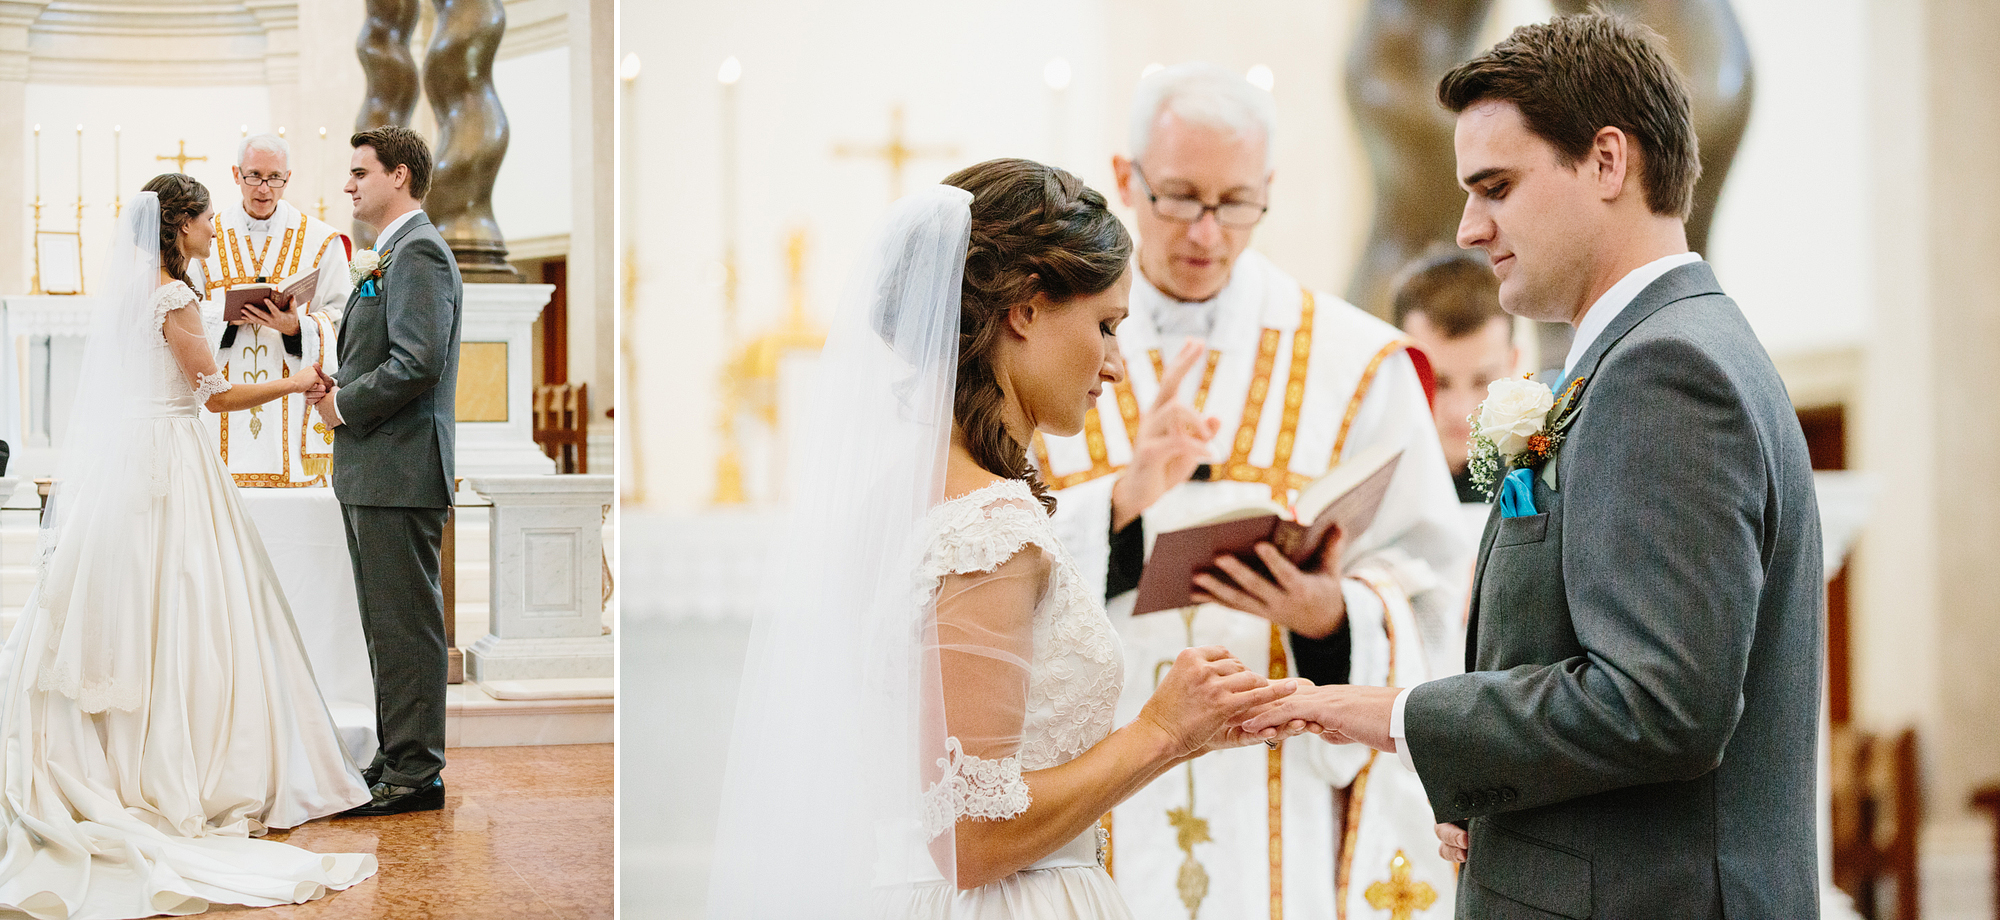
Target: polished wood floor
526,833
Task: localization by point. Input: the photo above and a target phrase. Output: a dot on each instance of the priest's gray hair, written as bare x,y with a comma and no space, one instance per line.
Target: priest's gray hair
269,143
1203,94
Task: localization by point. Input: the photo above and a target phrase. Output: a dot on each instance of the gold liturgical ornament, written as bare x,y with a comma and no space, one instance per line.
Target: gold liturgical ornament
895,152
181,158
1401,896
750,379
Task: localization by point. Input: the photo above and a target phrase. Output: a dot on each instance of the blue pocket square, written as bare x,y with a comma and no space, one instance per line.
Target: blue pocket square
368,287
1517,494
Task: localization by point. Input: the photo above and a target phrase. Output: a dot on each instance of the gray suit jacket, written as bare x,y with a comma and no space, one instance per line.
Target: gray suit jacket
1636,734
399,377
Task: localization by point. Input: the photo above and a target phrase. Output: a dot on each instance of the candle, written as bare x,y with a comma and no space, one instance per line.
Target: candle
115,129
79,168
38,162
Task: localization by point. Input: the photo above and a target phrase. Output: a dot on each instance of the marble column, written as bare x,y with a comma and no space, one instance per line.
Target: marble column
1926,633
546,535
592,259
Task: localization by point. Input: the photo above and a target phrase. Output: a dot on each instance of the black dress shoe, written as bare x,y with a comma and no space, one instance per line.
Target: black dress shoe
391,799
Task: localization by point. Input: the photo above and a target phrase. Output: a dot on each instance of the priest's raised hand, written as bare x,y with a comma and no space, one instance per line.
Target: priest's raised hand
1173,440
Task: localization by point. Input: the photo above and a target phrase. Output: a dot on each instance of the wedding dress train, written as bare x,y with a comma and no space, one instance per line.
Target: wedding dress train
141,794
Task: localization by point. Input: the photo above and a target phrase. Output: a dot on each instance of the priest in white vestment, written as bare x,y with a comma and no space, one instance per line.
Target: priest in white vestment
264,240
1290,381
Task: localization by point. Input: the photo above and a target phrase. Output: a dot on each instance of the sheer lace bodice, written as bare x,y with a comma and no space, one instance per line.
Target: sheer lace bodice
1031,665
168,391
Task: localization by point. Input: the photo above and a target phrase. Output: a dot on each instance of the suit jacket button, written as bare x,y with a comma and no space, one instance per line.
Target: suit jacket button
1462,802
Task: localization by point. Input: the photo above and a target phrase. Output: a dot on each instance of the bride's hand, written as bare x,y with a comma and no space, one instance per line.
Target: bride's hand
1233,734
1205,691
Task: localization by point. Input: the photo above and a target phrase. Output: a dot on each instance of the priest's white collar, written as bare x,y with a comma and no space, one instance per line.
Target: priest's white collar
389,233
1614,301
278,218
1235,311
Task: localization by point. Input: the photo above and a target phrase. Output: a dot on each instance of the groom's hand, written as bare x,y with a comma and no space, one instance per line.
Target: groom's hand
329,414
1453,842
1345,712
1306,602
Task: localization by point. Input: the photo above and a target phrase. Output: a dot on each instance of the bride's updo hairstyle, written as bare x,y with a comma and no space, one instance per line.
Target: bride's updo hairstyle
181,200
1035,230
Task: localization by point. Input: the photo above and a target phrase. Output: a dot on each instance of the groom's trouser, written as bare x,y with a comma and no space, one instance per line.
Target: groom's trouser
395,552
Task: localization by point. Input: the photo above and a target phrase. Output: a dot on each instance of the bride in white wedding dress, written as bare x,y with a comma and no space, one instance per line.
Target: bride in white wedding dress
926,726
157,710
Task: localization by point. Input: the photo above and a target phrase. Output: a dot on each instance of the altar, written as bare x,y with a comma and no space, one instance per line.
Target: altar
303,533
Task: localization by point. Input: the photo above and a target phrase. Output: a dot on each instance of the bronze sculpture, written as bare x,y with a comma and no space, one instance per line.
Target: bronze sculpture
1405,46
472,126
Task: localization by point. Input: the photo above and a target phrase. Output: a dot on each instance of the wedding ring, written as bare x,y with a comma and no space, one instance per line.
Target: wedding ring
1271,743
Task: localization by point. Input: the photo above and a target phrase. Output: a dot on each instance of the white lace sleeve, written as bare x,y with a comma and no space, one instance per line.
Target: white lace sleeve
168,298
986,573
974,787
208,385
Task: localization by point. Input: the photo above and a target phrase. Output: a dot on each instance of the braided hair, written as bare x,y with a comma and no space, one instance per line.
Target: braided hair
182,199
1035,230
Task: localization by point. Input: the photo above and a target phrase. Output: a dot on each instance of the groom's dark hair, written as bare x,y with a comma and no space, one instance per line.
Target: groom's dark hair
395,146
1574,76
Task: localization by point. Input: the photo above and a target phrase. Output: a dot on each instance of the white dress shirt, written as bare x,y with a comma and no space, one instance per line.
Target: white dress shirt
1595,320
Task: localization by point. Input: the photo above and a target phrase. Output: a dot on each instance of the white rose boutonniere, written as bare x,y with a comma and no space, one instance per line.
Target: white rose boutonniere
364,262
1521,423
365,269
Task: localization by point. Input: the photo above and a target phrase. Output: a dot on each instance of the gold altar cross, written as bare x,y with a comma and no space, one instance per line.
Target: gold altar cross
181,159
1400,896
895,151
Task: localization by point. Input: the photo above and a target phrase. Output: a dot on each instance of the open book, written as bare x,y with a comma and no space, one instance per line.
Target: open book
1344,501
299,287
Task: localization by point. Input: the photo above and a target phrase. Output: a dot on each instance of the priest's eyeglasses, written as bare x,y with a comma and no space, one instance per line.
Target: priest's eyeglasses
1186,210
277,181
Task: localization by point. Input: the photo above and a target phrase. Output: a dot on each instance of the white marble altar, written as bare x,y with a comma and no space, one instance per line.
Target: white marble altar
303,533
547,594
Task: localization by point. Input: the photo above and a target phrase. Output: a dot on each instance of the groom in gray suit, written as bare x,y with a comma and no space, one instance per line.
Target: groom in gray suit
1635,733
393,418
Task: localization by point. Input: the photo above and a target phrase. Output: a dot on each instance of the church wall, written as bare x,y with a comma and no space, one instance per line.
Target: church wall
153,119
531,197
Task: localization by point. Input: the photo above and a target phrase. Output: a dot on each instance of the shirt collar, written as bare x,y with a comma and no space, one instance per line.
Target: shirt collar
255,226
389,233
1614,301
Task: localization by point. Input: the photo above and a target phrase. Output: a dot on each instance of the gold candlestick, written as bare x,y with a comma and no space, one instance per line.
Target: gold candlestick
35,286
729,466
79,179
322,173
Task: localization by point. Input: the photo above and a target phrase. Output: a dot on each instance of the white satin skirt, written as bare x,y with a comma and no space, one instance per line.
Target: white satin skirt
1066,885
151,810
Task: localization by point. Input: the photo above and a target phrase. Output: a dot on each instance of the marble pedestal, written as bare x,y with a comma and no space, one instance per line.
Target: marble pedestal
496,356
546,534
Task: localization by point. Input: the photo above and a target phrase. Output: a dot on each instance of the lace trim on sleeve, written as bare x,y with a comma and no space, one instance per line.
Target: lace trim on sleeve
974,787
170,297
207,385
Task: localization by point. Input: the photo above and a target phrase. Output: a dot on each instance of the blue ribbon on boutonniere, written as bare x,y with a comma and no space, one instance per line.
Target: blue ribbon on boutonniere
368,287
1517,494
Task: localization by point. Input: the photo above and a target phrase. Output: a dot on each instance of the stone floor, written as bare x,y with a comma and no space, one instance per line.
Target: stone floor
525,833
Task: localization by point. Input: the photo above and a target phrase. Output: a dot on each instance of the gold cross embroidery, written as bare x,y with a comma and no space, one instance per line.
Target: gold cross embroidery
1401,896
